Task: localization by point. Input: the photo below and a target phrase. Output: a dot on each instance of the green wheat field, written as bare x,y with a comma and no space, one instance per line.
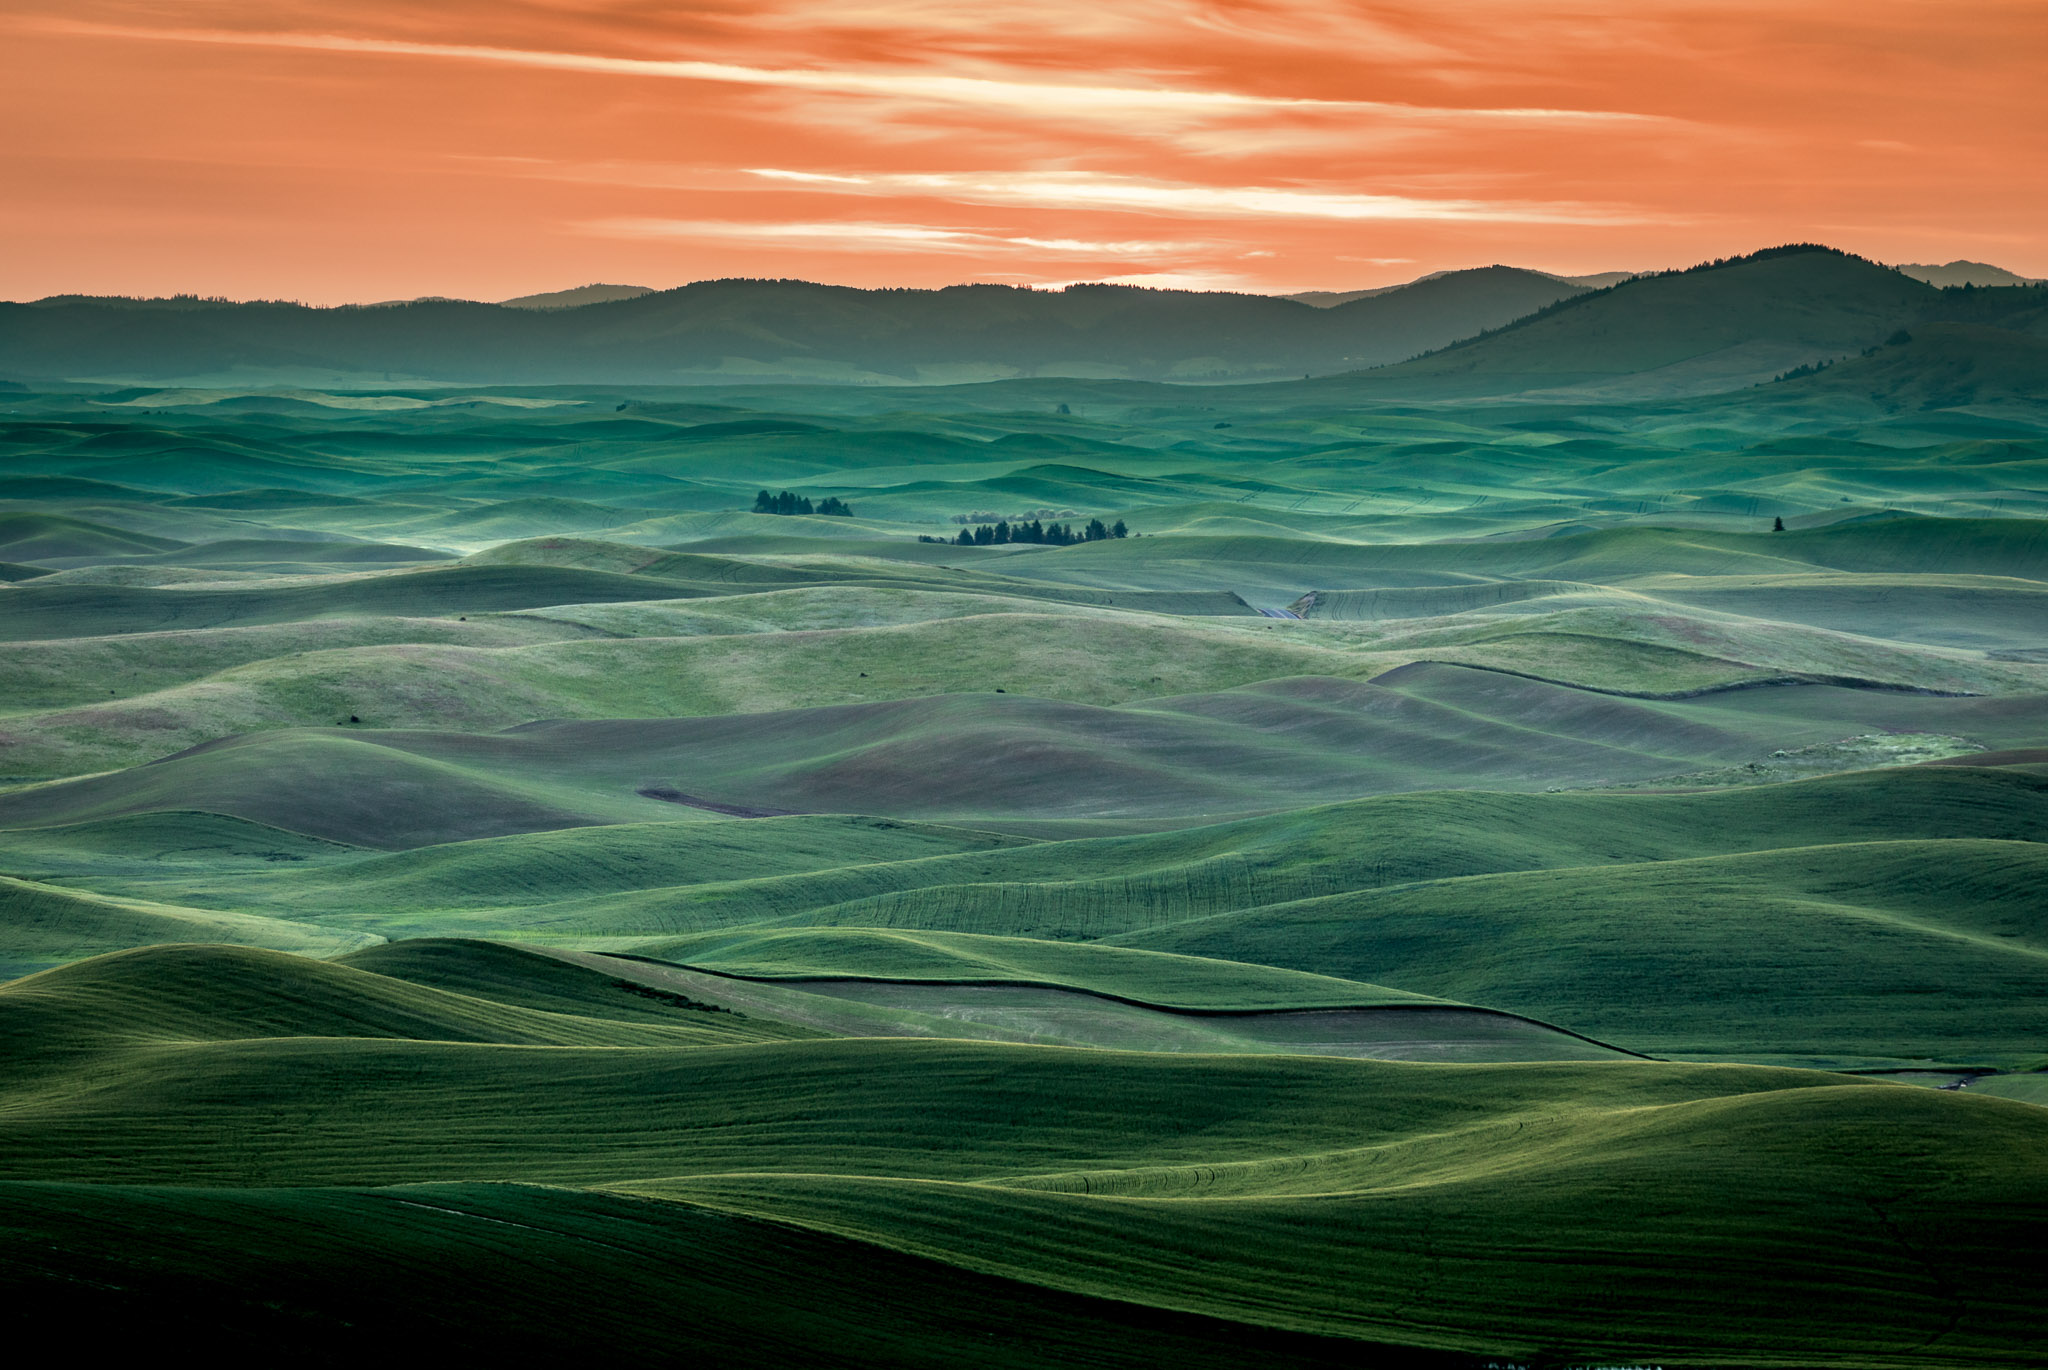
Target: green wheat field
1456,884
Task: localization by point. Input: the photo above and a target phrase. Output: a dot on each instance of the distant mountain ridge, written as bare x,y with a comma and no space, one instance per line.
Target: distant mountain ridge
1325,299
577,298
1493,331
748,330
1959,272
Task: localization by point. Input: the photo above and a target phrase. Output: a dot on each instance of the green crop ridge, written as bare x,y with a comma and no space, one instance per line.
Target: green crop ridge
1058,1015
519,1273
1903,949
1274,745
1180,982
473,890
1269,1159
1406,1223
167,995
43,925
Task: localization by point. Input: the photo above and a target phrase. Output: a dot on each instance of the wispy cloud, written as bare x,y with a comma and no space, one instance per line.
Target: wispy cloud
846,236
352,149
1096,191
1031,98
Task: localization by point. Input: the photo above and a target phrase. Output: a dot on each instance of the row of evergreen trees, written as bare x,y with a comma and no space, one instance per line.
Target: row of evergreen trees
1050,534
789,502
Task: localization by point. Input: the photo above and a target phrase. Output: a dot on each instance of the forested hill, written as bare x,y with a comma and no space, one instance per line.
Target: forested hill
1720,326
776,330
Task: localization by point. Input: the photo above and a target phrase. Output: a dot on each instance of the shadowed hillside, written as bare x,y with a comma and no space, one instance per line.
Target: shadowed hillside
1711,328
738,329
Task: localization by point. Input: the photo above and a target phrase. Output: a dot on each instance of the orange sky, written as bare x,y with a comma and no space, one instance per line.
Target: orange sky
329,152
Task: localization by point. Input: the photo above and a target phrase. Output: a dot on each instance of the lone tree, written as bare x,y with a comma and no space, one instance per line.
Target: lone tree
1777,525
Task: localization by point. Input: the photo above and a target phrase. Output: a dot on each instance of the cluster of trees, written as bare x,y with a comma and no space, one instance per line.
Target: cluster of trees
1049,534
789,502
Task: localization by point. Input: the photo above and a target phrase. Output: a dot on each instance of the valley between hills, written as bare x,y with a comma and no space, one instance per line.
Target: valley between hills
1531,853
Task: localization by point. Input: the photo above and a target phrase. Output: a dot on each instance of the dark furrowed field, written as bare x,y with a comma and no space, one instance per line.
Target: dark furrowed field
1451,886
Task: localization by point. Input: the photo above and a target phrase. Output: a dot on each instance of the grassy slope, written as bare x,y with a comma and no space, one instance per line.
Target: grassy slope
66,672
1100,887
1669,1214
526,1274
324,785
988,756
157,847
1040,1014
1455,1241
965,958
1907,950
1923,632
430,681
45,925
1637,918
44,537
1320,1194
531,980
865,630
885,873
1994,547
167,995
1966,611
2029,1088
31,612
444,679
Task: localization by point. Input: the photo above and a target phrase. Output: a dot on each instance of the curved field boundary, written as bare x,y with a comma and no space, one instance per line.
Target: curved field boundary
1846,682
1106,995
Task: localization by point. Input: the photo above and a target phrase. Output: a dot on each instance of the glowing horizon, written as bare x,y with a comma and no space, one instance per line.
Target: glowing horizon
309,150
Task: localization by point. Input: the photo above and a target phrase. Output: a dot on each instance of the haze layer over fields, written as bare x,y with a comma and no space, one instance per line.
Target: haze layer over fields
1468,860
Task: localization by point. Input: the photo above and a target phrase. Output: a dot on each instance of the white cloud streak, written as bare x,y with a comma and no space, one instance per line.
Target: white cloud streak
848,236
1098,191
1039,99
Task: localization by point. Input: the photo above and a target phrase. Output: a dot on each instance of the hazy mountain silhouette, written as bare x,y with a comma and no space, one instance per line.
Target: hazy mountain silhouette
1497,330
748,330
1326,299
580,296
1964,273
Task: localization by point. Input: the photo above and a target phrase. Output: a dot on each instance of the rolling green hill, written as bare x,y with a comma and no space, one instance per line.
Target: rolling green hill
472,887
45,925
1832,953
217,994
35,612
1641,920
1325,1195
29,537
455,1271
971,757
